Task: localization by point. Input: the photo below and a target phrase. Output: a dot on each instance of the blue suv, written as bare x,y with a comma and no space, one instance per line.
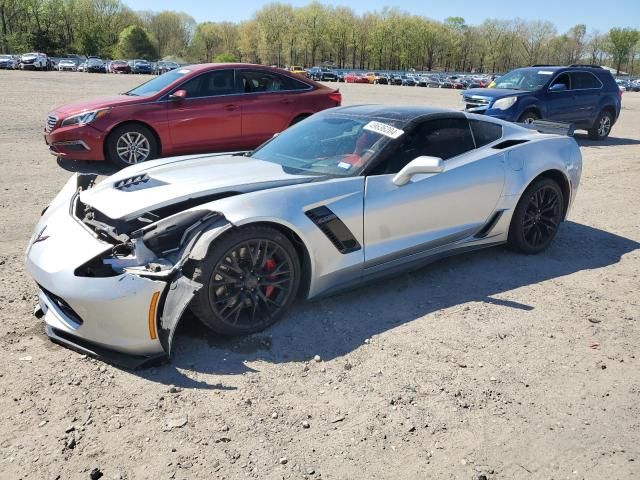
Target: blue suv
584,95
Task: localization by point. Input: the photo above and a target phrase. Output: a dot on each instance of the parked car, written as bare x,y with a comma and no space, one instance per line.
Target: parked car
408,80
297,70
396,80
586,96
117,263
623,85
120,66
430,82
383,79
199,108
67,65
164,66
355,78
82,67
8,62
95,65
34,61
323,74
140,66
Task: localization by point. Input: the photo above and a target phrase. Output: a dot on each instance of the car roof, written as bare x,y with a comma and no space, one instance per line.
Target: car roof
398,112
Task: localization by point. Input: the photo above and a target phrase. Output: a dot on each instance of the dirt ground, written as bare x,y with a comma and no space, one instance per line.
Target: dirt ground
492,363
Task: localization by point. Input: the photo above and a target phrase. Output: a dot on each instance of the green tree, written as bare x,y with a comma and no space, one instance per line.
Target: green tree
135,42
225,58
621,43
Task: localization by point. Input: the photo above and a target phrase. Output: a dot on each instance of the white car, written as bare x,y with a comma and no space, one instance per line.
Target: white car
67,64
35,61
346,196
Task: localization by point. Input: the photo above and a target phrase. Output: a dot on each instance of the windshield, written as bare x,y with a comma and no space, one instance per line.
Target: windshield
159,83
95,61
524,79
329,144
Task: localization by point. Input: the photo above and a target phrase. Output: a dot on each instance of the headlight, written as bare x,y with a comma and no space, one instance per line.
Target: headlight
504,103
85,117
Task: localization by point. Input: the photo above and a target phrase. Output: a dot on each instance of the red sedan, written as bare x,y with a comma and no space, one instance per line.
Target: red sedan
199,108
355,78
120,66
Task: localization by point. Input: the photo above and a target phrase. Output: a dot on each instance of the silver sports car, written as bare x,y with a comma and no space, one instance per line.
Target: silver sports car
346,196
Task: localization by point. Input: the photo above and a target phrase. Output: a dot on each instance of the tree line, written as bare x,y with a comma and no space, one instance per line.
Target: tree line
280,34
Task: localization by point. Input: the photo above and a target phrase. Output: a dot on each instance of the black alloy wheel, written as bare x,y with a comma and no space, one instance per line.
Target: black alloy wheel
250,279
537,217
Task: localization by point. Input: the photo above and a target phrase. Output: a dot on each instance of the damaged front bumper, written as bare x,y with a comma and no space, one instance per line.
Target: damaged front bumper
128,318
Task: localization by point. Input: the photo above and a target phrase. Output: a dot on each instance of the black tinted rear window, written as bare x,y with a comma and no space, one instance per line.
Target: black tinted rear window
485,132
582,80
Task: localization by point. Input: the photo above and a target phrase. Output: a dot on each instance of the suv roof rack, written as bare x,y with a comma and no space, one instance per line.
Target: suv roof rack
585,65
544,65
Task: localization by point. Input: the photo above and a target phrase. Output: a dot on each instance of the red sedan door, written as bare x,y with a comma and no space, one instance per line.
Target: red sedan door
210,117
268,103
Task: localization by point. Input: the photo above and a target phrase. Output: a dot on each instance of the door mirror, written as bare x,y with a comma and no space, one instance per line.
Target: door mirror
558,87
178,95
416,166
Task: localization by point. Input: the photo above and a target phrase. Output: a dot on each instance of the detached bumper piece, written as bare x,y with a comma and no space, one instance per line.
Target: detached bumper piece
131,362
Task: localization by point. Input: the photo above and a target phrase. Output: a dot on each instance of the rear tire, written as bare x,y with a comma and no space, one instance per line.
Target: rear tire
602,126
537,217
250,279
131,144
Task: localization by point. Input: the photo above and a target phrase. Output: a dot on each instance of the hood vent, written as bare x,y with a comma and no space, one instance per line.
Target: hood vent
130,184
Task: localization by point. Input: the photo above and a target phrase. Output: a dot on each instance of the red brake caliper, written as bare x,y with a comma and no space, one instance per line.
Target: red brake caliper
269,266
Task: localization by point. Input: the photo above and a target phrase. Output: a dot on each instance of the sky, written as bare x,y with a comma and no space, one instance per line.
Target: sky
596,14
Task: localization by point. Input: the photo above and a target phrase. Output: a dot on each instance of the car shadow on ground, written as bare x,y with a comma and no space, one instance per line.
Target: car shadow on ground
337,325
584,141
84,166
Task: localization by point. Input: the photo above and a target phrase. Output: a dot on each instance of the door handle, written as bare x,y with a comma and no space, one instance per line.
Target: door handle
231,107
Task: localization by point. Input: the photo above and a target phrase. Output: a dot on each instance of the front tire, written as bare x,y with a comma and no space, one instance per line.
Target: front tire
250,279
131,144
602,126
537,217
528,117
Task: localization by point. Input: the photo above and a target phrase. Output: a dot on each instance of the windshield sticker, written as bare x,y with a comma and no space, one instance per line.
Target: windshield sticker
344,165
383,129
544,72
183,71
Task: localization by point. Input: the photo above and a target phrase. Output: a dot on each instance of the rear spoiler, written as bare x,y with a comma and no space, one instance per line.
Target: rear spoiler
545,126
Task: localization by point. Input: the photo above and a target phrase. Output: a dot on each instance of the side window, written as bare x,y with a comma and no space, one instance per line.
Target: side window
583,80
562,78
444,138
216,82
257,81
485,132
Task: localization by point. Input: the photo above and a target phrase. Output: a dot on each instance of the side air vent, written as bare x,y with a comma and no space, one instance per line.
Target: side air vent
484,231
335,230
508,143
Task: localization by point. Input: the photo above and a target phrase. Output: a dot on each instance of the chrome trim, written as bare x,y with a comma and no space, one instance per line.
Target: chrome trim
52,120
72,142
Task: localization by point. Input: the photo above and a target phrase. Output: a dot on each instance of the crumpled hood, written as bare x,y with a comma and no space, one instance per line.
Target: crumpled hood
159,183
